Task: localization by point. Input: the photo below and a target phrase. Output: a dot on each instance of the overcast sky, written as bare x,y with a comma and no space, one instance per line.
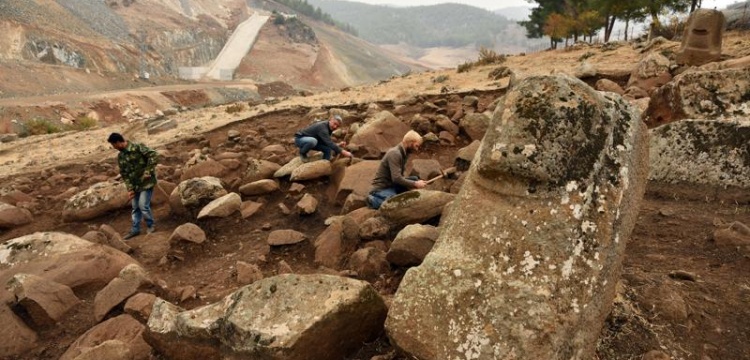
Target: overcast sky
498,4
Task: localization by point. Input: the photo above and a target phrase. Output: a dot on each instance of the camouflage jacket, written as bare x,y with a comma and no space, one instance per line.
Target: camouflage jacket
134,161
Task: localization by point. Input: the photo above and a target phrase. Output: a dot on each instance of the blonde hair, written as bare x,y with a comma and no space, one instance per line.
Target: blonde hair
412,137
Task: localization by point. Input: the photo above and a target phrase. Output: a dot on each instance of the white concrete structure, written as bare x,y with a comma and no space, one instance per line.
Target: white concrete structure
238,45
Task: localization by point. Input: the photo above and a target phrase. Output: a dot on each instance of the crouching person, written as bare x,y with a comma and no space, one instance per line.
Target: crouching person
389,180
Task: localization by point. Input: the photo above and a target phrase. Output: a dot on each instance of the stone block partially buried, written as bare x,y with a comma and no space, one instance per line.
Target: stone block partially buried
527,260
289,317
701,40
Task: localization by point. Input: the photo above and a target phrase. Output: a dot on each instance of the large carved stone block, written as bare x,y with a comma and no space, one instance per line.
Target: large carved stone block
527,259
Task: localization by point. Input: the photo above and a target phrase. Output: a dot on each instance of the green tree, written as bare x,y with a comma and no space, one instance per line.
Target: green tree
656,7
538,18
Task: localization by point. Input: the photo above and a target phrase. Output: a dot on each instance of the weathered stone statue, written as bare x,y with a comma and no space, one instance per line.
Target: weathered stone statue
528,258
701,40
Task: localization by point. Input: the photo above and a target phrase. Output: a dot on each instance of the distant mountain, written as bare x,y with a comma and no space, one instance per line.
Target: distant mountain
450,25
515,13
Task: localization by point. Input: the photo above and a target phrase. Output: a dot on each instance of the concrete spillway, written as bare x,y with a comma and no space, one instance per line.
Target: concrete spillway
239,44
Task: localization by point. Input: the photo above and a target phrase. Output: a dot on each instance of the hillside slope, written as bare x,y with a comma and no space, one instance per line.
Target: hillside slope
66,46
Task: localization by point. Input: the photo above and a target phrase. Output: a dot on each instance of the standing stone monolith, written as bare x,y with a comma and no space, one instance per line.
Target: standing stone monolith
526,264
701,40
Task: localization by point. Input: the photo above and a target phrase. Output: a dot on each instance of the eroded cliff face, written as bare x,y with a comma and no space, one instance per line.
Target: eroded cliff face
89,45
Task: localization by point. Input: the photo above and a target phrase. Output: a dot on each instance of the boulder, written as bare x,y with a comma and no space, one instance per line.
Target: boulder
285,237
651,72
260,187
248,273
122,328
293,164
336,242
609,85
307,205
139,306
701,95
425,169
95,201
44,301
415,206
357,179
110,350
127,283
412,244
188,232
475,125
259,170
529,254
701,152
289,317
249,208
193,194
369,263
11,216
381,132
208,167
311,170
222,207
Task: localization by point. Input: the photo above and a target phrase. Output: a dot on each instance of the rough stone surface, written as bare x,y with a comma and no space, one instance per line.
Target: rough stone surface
259,170
259,187
122,328
425,169
11,216
45,301
357,179
336,242
311,170
109,350
705,152
369,263
188,232
381,132
701,95
609,85
290,317
475,125
222,207
119,289
701,39
528,258
248,273
651,72
196,193
296,162
415,206
95,201
412,244
249,208
285,237
307,205
139,306
209,167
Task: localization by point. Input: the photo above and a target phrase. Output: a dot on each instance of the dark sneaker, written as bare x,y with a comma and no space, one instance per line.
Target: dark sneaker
131,235
305,159
150,229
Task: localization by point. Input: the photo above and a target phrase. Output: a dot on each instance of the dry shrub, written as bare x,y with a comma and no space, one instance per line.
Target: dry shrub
83,123
39,126
486,57
235,108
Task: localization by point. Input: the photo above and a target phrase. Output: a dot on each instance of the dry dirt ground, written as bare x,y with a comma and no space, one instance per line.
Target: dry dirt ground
680,291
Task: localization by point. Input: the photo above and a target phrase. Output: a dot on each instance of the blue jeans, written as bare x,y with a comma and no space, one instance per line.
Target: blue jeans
377,197
141,204
307,143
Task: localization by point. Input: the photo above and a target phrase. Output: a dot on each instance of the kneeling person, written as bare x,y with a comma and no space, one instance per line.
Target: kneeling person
318,137
389,180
